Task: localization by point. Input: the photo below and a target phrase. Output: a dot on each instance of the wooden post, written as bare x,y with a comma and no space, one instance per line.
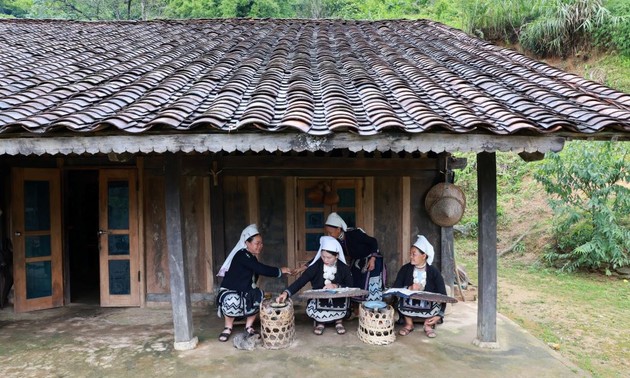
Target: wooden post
487,250
180,292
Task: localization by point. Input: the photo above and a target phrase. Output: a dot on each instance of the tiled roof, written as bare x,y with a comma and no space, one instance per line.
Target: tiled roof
314,76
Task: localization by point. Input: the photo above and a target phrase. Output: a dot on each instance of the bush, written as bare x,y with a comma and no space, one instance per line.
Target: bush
591,205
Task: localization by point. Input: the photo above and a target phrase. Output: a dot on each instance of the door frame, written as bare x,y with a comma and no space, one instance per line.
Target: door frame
18,237
133,298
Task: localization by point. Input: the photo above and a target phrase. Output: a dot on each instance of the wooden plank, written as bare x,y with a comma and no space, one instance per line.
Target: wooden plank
207,236
272,227
405,221
252,199
388,231
487,247
216,219
421,224
258,142
157,277
192,216
368,205
180,293
448,257
290,183
141,251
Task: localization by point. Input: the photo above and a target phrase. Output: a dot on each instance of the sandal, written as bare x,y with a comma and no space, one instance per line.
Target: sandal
251,331
340,329
430,332
225,335
318,329
404,331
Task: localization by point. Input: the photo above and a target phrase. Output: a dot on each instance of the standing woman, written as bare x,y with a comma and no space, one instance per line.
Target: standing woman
366,262
419,274
328,270
239,294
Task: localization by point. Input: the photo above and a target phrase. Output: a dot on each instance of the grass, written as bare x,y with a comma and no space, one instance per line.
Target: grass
585,317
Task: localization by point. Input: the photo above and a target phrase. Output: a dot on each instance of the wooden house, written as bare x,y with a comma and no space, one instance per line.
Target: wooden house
132,154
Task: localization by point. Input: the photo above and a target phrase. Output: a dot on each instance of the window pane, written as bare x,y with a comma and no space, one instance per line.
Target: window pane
118,244
312,241
36,205
38,280
119,279
118,205
37,246
349,217
346,197
315,219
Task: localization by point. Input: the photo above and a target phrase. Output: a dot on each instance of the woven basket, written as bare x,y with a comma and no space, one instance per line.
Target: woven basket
445,203
376,327
277,324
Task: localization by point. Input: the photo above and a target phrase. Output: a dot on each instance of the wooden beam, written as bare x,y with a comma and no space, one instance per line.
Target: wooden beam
28,144
179,288
487,250
142,285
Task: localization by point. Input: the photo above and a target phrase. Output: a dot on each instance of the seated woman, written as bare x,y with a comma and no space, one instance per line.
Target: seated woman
239,294
419,274
328,270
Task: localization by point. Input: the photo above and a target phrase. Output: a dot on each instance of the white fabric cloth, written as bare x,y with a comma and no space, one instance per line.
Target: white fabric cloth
247,233
329,244
423,245
336,221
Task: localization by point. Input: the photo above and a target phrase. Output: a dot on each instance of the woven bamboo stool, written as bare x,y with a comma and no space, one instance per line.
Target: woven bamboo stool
376,326
277,323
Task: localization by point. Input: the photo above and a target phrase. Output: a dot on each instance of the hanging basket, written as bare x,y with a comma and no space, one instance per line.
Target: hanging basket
445,204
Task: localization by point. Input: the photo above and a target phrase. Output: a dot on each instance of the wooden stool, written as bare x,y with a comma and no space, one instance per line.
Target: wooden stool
277,323
376,326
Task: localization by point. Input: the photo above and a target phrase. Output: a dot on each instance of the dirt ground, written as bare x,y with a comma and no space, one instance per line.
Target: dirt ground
89,341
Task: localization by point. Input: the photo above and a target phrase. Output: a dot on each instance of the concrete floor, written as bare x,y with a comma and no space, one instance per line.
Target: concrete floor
89,341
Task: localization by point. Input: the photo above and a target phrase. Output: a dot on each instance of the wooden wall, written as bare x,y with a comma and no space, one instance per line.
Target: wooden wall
238,200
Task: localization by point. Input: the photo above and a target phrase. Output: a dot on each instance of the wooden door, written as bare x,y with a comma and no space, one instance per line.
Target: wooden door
316,199
118,238
37,240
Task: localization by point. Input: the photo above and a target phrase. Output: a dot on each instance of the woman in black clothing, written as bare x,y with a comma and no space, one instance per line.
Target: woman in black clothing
239,294
417,275
327,270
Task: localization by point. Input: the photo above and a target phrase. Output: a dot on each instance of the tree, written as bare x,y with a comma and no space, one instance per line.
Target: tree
588,182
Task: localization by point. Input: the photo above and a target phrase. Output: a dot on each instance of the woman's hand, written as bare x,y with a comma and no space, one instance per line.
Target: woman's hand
432,321
331,286
371,264
282,297
416,287
286,270
300,270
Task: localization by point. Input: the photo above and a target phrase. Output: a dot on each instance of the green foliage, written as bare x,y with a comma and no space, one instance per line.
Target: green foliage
14,8
564,27
614,33
511,170
498,20
591,205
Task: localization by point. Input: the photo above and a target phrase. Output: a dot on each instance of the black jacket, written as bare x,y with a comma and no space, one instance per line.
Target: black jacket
244,270
315,275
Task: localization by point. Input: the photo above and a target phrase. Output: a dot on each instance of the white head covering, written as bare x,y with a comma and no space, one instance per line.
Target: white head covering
336,221
247,233
423,245
329,244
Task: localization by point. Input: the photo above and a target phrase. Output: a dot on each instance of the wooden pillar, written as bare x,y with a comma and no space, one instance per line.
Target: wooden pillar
180,292
487,250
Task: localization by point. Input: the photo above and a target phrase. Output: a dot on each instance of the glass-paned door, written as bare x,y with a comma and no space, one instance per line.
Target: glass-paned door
316,199
118,238
36,228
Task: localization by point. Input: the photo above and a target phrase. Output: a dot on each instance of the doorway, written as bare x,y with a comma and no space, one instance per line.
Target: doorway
81,224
